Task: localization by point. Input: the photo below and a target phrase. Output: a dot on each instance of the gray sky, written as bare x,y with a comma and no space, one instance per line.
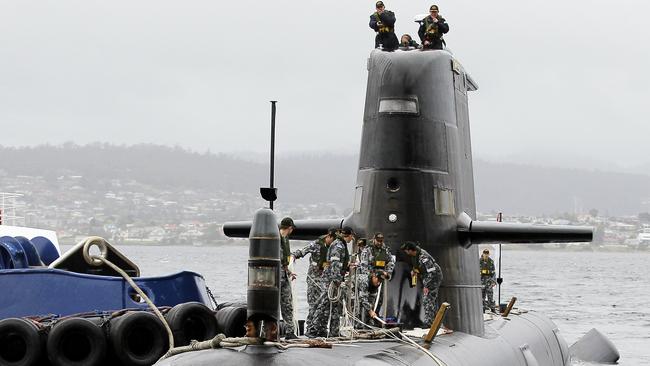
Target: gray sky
560,80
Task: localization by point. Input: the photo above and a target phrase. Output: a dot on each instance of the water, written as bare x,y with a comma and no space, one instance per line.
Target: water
577,290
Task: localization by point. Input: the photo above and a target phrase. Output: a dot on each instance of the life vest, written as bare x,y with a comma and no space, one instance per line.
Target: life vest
431,30
379,256
485,268
322,257
383,28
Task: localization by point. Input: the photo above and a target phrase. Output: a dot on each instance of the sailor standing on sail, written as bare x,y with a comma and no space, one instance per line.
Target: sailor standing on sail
329,306
286,276
383,22
431,30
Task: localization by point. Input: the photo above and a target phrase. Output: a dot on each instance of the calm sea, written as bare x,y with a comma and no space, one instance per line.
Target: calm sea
577,290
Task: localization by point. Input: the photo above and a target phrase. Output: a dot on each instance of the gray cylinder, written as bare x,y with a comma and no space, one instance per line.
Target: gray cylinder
263,295
595,347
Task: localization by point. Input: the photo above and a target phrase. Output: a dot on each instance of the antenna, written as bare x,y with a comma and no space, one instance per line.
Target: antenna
271,194
499,279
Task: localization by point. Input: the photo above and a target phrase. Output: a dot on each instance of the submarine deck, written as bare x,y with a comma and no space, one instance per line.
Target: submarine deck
511,341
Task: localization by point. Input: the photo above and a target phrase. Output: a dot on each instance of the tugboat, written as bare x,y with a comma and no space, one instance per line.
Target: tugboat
89,306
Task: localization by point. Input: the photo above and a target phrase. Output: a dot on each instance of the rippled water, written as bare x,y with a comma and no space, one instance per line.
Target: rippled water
577,290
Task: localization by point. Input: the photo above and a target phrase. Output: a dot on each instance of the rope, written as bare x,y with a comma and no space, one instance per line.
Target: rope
221,341
393,333
95,258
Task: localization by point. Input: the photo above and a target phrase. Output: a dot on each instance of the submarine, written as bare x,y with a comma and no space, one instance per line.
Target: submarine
415,183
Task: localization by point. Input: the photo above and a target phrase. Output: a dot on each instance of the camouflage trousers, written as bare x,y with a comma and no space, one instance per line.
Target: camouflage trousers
313,293
430,306
363,312
488,291
286,303
326,312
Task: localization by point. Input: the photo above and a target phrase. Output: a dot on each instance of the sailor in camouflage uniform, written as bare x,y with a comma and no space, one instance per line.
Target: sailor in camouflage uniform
317,251
377,258
368,292
428,271
488,280
286,276
329,311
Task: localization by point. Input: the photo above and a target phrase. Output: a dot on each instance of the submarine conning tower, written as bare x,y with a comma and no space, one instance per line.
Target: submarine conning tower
415,172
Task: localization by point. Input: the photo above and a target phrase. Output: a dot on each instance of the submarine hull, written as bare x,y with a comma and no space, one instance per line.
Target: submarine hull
525,339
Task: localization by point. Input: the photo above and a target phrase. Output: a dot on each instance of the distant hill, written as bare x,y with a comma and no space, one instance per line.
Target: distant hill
525,189
314,178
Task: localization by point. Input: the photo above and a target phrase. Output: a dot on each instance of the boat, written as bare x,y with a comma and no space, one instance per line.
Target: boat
90,306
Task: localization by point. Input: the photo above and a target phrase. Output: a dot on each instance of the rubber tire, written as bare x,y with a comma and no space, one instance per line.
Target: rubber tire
229,304
231,321
127,332
24,332
191,321
72,331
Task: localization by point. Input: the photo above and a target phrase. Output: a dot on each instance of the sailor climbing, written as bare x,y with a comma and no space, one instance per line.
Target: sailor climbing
383,22
428,271
431,30
488,280
317,251
286,276
329,305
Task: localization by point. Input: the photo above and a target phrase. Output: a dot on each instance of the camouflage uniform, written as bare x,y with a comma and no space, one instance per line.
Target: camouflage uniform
431,276
374,259
367,296
286,299
332,274
317,252
488,279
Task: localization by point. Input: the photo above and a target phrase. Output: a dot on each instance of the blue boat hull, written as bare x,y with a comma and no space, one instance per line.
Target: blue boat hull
44,291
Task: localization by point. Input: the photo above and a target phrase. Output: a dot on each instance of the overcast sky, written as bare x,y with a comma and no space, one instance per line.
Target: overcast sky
560,80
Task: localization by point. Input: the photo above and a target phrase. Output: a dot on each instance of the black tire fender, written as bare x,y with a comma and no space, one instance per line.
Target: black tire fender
231,321
76,342
191,321
138,338
20,343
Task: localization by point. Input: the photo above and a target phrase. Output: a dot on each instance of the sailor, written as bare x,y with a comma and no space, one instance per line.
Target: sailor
329,304
488,280
383,22
431,30
377,258
286,276
347,234
407,42
368,293
317,251
428,271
